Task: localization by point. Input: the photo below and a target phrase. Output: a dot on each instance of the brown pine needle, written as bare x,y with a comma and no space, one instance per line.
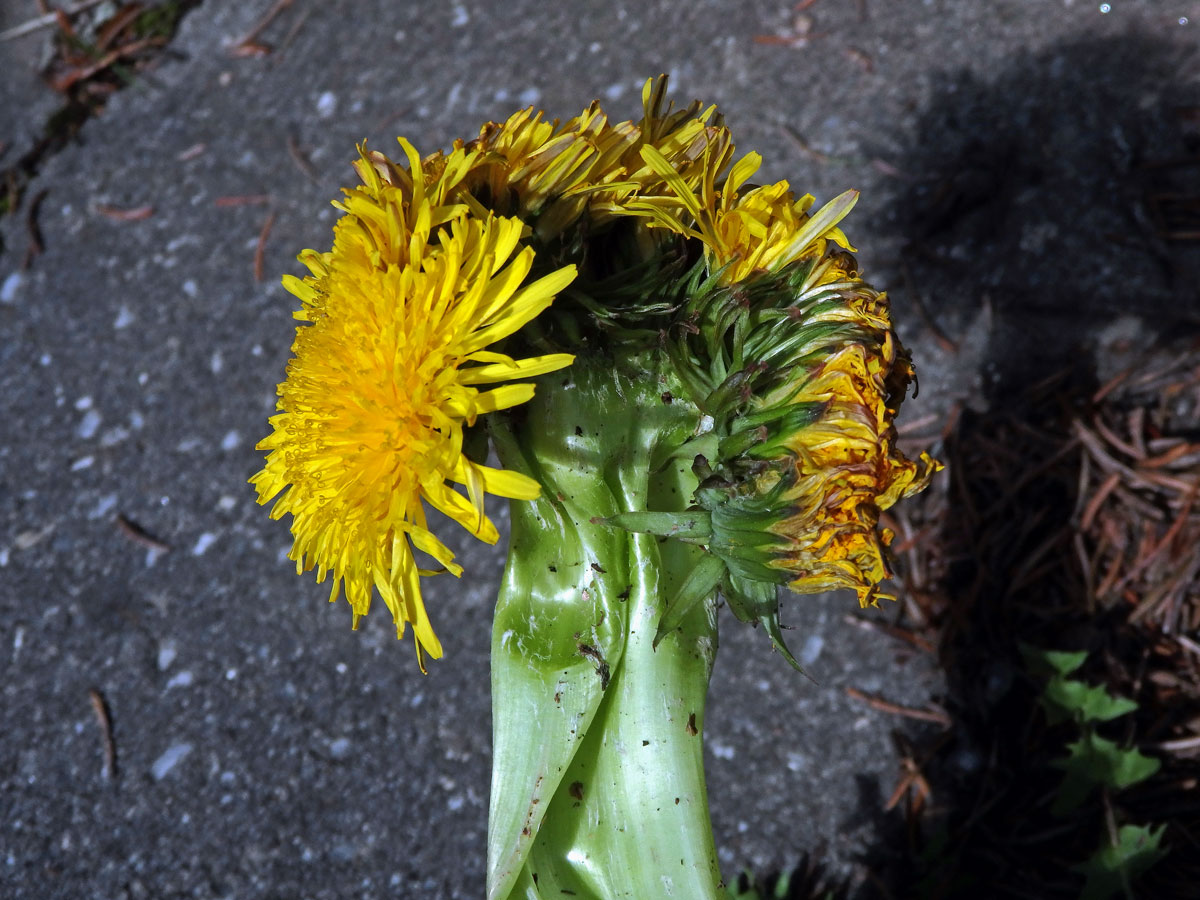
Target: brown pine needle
925,715
260,248
104,720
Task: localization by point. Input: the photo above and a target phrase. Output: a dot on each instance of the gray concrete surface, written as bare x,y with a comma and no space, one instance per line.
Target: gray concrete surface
265,750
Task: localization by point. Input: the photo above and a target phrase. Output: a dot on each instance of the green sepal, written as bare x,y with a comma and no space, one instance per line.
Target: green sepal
758,602
788,418
699,584
774,631
690,525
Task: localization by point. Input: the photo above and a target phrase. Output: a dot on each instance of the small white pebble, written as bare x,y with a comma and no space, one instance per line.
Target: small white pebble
8,290
137,420
113,436
327,104
181,679
226,503
529,96
124,318
217,363
455,803
143,377
84,402
167,651
230,441
169,760
340,748
45,359
106,504
341,668
27,539
614,91
89,424
721,751
203,542
231,674
84,462
813,645
256,350
190,288
461,17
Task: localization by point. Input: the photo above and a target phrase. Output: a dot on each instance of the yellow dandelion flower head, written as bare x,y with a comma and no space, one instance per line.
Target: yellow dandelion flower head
389,365
553,174
692,143
528,162
746,234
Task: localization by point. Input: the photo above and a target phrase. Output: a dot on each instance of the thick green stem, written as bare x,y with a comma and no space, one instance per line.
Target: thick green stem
598,782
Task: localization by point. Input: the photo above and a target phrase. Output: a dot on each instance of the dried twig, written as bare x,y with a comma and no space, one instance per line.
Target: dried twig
47,20
260,247
243,200
303,163
136,214
136,532
104,720
895,631
250,39
802,145
926,715
36,243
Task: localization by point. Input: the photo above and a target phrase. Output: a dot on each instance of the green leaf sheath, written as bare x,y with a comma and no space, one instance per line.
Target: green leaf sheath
597,778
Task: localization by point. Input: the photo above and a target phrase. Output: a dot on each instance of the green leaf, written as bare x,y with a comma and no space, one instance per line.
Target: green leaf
1065,699
1044,663
1094,762
1113,867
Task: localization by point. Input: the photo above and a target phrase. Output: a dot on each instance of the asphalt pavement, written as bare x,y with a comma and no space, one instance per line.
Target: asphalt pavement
259,748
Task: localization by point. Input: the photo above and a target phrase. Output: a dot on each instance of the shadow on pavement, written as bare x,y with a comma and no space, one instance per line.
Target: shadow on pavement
1063,195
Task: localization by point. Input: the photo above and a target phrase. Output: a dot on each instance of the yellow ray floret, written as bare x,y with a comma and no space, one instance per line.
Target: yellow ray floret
762,230
391,364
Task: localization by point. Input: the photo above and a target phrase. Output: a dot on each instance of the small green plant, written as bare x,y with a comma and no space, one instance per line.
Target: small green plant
747,888
784,886
1118,861
1093,762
